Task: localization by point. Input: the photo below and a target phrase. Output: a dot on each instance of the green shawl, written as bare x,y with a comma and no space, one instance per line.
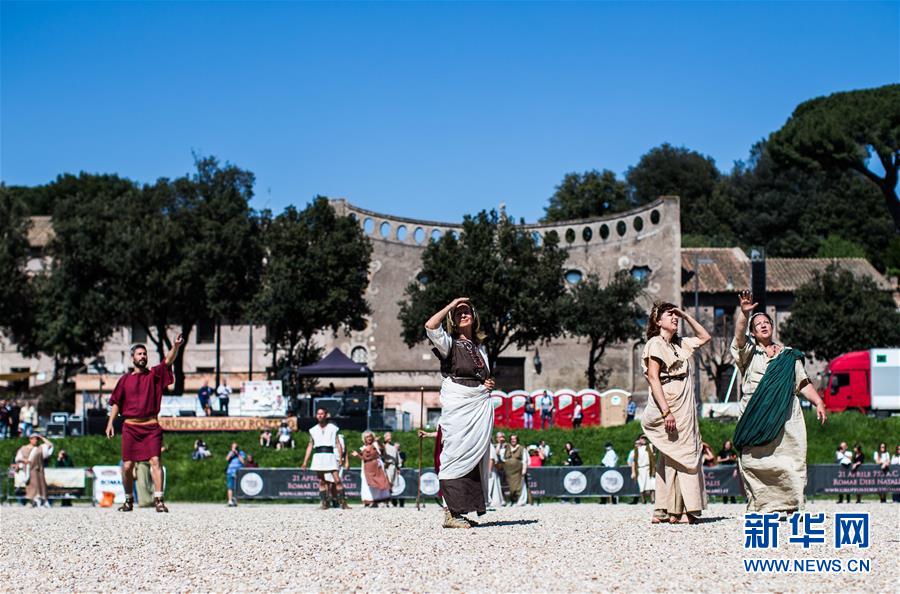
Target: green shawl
770,406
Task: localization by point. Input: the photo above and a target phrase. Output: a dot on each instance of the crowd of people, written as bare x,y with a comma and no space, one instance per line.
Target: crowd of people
851,460
17,419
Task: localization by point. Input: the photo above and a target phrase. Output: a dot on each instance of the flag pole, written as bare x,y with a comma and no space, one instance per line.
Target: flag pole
421,428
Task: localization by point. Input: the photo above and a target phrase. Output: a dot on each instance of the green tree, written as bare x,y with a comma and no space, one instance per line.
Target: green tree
668,170
315,278
190,250
836,313
77,302
791,210
604,315
835,246
589,194
514,283
16,293
843,132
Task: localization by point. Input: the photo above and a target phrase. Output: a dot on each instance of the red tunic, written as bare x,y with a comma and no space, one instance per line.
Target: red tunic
139,395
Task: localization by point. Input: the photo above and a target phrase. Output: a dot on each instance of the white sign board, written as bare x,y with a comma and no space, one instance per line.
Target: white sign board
108,478
261,399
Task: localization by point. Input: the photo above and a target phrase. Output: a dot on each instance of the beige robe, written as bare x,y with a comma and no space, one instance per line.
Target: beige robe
33,458
679,472
774,475
515,466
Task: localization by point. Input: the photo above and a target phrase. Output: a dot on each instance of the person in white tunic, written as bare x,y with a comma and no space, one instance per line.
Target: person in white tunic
327,453
773,464
495,484
642,462
467,416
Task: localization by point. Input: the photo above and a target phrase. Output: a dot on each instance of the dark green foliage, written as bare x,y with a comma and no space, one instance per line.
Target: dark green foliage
205,481
842,132
792,210
604,315
315,279
837,313
16,292
514,283
589,194
667,170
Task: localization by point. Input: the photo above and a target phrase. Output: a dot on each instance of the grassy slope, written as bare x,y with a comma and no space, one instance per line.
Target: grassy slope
205,481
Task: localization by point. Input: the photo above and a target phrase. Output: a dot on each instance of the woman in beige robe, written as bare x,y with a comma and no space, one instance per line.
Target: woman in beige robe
31,458
774,474
670,418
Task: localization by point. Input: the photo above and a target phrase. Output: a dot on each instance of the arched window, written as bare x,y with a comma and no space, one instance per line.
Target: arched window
359,355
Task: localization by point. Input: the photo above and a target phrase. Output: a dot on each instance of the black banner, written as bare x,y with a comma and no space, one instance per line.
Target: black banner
563,481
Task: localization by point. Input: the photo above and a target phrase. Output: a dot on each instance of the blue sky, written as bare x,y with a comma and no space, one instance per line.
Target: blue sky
425,110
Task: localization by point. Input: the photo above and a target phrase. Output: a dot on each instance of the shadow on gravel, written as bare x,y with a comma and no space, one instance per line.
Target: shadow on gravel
711,519
506,523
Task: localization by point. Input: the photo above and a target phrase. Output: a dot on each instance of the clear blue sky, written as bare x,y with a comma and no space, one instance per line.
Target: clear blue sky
416,109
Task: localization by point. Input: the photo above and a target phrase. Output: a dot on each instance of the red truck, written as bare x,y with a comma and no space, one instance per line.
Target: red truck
867,381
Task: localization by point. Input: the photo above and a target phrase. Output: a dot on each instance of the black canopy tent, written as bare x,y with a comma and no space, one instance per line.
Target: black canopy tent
337,364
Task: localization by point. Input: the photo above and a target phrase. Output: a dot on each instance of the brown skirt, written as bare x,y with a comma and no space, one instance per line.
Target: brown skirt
141,442
464,495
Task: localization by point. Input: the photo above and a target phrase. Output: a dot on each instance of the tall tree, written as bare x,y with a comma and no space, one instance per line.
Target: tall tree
844,131
78,306
585,195
605,315
16,293
514,283
836,313
793,210
669,170
315,278
191,251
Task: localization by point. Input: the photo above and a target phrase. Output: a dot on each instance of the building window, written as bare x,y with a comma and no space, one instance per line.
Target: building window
570,235
206,332
138,334
604,231
422,278
573,277
641,274
359,355
621,228
587,234
433,417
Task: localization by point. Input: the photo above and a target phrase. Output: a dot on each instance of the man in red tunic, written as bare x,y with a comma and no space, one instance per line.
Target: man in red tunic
138,396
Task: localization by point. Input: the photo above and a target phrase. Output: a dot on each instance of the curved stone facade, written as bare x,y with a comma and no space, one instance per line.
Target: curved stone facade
645,241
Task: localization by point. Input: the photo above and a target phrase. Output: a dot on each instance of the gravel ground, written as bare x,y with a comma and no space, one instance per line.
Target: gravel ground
552,547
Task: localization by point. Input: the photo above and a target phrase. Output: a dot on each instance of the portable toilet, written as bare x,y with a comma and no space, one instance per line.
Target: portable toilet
590,406
501,408
612,407
564,402
516,408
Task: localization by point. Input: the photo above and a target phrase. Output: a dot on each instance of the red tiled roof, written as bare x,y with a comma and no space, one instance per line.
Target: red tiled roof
723,270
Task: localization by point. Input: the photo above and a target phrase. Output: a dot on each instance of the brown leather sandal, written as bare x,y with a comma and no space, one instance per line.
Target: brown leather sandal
127,506
159,505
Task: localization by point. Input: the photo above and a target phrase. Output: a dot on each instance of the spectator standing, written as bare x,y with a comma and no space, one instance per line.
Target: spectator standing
224,394
4,419
14,413
29,419
30,458
577,416
844,457
235,460
610,460
392,463
373,484
573,458
630,410
515,465
546,404
529,413
883,460
265,438
895,461
495,481
535,456
727,456
858,460
284,437
709,459
249,462
643,463
203,395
